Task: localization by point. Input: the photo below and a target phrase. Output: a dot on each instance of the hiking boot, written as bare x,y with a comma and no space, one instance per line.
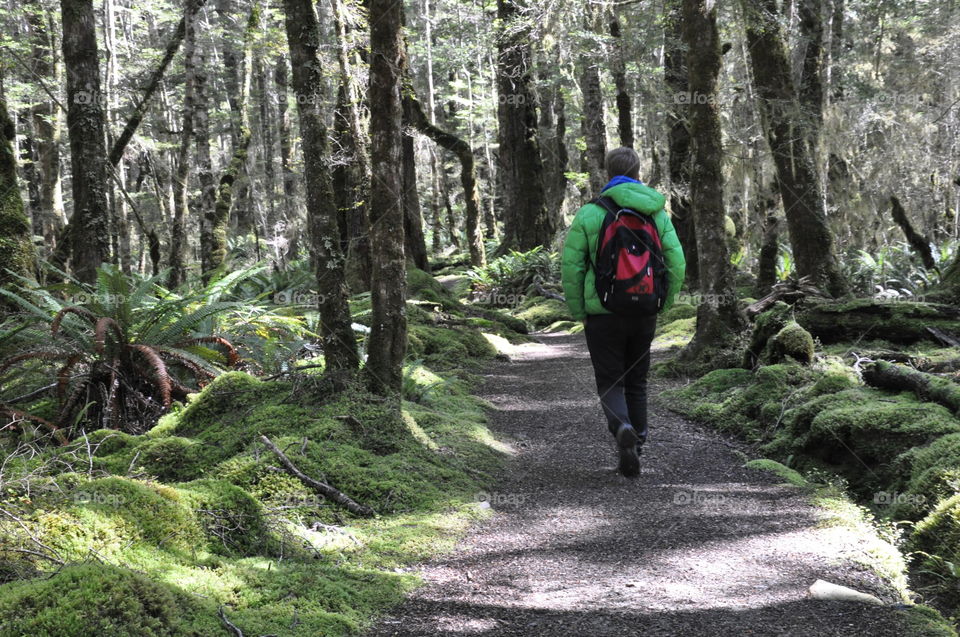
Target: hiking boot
627,443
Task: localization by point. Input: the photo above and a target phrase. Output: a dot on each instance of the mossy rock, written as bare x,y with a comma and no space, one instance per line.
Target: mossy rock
793,341
939,534
232,519
677,312
739,400
541,312
930,474
766,326
94,599
423,286
104,512
676,333
451,346
861,431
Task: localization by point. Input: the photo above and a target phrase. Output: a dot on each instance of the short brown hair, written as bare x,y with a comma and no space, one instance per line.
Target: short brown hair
623,161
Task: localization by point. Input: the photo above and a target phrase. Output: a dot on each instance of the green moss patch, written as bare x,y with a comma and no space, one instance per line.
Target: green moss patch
541,312
195,514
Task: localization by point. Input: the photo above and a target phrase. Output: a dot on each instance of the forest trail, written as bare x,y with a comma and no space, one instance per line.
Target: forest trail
697,545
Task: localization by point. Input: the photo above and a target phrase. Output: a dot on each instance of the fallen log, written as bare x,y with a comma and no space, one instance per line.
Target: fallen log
322,488
928,387
872,319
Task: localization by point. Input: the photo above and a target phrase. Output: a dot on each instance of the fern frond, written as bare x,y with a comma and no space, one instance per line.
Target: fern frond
161,376
73,309
52,428
232,356
100,333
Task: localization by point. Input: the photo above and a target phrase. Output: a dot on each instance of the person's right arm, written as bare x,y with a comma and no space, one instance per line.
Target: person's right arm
574,267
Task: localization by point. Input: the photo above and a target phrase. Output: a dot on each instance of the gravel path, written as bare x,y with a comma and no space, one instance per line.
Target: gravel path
696,546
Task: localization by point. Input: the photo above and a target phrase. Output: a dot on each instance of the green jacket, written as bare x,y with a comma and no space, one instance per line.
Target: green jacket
581,244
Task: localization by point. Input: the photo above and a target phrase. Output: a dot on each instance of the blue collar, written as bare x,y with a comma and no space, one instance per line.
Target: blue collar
620,179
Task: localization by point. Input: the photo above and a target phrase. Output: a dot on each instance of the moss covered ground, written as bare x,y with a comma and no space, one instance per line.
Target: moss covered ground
892,452
157,534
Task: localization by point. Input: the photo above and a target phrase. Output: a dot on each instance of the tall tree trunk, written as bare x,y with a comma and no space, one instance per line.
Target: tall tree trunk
553,126
718,316
811,76
836,49
788,134
178,233
593,117
624,113
290,196
766,209
214,235
303,36
415,244
201,129
355,148
46,123
527,223
90,231
388,334
678,136
16,241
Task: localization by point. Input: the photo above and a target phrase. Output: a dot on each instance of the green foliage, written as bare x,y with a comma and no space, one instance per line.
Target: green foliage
892,271
509,279
121,351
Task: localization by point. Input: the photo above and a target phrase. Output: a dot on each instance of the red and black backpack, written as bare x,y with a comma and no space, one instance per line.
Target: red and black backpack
631,275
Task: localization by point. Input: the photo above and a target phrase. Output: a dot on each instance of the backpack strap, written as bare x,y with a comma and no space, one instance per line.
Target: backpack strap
607,203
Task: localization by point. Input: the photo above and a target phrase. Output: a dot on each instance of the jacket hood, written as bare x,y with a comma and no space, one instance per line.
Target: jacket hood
639,197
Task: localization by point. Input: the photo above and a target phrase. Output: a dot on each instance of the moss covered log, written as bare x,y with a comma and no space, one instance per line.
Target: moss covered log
886,375
896,322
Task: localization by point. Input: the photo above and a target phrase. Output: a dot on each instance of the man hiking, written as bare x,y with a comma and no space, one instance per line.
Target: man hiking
622,264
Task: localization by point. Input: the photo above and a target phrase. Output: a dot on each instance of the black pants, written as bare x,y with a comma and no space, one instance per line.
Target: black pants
620,351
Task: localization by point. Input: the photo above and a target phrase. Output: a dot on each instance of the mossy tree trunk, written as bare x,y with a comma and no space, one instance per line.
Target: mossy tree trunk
624,106
593,116
178,233
718,316
526,221
788,134
303,36
16,244
388,334
678,137
89,235
415,243
213,239
354,143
